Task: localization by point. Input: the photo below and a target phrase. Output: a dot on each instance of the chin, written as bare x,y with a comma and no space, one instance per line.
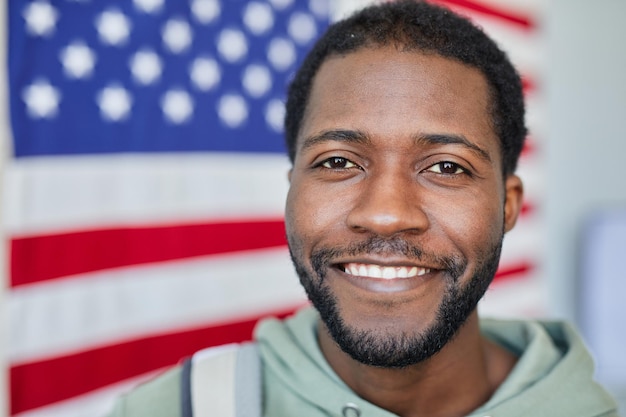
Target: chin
391,346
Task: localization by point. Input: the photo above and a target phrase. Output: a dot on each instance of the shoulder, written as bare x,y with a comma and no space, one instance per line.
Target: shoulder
159,397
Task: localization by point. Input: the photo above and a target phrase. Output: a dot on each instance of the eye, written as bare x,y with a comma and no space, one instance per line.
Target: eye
447,168
337,162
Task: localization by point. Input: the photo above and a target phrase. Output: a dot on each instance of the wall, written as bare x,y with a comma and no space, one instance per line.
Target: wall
586,95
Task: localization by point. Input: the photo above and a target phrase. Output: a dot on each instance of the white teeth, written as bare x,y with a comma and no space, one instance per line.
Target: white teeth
384,272
374,271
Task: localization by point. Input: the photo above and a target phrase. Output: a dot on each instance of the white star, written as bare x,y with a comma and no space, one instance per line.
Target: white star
148,6
302,28
113,27
233,110
258,17
115,103
146,67
275,115
281,53
232,45
42,99
41,18
206,11
177,35
257,80
78,60
320,8
177,106
205,73
281,4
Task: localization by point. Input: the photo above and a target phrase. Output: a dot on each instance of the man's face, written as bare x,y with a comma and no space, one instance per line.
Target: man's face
397,205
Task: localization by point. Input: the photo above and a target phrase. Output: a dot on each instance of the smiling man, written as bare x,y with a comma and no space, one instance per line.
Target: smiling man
404,126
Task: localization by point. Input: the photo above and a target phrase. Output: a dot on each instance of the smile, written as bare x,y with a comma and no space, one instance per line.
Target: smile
384,272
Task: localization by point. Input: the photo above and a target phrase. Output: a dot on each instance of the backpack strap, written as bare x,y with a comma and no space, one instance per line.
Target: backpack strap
223,381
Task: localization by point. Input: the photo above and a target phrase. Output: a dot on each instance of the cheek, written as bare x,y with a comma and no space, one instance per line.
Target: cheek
312,212
477,222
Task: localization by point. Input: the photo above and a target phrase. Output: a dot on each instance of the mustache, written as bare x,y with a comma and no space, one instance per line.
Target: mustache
454,264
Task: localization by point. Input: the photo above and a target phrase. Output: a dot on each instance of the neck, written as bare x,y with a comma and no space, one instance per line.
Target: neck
463,375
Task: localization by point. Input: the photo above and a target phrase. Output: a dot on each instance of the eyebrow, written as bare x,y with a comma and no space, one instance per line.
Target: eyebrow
449,139
359,137
348,136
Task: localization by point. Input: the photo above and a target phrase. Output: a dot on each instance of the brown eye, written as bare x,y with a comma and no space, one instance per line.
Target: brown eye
446,168
338,163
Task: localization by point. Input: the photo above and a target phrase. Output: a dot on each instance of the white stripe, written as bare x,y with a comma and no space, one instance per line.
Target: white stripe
60,193
514,299
59,317
531,171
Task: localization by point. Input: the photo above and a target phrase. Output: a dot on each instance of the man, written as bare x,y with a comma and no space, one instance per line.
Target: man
404,126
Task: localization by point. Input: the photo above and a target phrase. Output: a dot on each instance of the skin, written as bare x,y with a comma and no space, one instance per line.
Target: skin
391,179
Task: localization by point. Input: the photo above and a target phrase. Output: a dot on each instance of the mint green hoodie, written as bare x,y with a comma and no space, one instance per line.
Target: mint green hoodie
552,378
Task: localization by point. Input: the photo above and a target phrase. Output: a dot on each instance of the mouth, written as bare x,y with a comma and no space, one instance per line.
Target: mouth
383,272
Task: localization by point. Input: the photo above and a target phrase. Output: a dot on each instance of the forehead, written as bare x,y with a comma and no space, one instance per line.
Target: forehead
390,92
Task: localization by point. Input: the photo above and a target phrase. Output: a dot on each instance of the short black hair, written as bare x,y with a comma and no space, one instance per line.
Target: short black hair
419,26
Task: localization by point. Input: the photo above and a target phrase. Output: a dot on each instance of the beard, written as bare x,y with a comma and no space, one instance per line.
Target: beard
392,350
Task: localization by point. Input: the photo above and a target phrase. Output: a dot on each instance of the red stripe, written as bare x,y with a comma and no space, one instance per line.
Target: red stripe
512,271
516,19
42,383
530,148
41,258
527,209
528,85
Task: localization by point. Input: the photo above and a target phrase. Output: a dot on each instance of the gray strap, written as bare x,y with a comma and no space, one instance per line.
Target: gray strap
248,382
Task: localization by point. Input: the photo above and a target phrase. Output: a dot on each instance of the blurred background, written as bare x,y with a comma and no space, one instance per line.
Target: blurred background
143,180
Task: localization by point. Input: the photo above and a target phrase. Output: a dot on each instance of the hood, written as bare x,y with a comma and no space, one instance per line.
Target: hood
553,376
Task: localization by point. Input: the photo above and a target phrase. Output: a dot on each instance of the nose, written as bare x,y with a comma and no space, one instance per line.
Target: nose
387,205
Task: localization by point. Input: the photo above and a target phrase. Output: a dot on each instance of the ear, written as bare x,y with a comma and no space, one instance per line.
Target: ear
514,190
289,175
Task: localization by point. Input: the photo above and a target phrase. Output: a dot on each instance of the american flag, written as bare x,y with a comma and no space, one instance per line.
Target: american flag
143,199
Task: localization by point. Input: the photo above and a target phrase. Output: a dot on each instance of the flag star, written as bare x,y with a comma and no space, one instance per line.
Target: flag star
281,4
113,27
206,11
205,73
320,7
232,45
78,60
275,115
42,99
41,18
232,110
257,80
302,28
115,103
177,106
145,66
148,6
281,53
258,17
177,35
